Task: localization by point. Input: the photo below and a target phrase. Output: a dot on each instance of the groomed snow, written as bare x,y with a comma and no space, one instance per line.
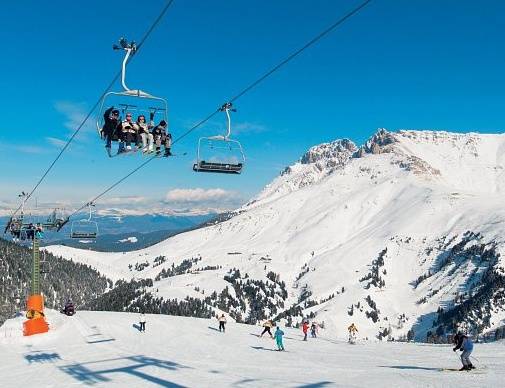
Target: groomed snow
104,349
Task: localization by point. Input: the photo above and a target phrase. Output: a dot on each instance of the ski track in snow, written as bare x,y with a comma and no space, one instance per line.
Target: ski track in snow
104,349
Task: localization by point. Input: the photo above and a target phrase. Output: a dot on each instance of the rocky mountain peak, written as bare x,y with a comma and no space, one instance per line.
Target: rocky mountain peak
379,143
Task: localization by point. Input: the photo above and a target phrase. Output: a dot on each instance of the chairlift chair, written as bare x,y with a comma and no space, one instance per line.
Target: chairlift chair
22,227
226,155
130,100
55,221
85,229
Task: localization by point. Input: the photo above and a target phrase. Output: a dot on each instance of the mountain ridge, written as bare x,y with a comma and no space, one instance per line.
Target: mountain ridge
349,232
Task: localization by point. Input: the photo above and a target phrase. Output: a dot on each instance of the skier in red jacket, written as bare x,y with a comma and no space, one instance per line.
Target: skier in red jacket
305,328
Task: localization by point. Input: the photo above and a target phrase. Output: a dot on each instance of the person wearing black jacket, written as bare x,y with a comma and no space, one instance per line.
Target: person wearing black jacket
161,136
465,344
111,122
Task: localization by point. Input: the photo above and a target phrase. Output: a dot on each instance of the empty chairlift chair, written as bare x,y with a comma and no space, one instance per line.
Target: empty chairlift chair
85,229
220,153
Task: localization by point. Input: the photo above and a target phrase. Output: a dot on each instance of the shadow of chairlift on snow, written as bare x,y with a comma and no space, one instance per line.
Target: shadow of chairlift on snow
41,357
102,371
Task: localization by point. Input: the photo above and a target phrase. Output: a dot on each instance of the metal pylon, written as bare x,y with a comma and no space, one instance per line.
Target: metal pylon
36,267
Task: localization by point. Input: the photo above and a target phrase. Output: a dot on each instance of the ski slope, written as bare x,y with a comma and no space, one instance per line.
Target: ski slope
414,193
104,349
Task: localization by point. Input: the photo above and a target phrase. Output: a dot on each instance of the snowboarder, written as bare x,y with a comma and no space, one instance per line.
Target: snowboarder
278,338
465,344
142,321
222,322
353,330
267,326
313,330
305,328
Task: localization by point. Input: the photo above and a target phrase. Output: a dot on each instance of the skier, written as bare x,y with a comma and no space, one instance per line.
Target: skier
278,338
222,322
69,308
313,330
267,326
353,330
142,321
465,344
305,328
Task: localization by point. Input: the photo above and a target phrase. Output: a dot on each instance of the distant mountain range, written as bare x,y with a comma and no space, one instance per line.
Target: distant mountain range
118,233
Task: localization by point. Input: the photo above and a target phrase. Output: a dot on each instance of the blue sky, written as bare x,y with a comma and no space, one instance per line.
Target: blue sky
418,64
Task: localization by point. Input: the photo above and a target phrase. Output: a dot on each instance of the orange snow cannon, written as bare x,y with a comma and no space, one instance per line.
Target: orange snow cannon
36,321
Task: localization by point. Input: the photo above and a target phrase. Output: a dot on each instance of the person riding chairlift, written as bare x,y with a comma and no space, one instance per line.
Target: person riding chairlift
161,136
144,135
110,127
128,133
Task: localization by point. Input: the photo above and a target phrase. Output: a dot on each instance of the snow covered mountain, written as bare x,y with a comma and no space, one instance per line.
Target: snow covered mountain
403,234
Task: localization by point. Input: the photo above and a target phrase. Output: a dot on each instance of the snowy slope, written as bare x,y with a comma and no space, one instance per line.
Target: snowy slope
102,349
391,210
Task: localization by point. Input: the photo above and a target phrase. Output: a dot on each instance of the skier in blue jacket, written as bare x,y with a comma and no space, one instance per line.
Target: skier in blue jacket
465,344
278,338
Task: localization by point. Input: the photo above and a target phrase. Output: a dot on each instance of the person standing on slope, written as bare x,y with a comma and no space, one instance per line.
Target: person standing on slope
313,330
266,328
222,322
142,321
278,338
305,329
353,330
465,344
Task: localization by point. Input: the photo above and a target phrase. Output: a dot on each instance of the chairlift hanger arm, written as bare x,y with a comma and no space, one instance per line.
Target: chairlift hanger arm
130,49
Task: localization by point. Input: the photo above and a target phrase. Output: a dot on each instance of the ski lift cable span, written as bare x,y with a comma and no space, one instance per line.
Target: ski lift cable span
86,118
251,86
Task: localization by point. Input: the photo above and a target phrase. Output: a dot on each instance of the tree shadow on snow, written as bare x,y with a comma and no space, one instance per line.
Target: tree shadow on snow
42,357
411,367
95,372
316,385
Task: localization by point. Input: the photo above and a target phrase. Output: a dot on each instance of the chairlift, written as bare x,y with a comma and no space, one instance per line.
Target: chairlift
85,229
44,264
21,227
134,101
220,153
55,221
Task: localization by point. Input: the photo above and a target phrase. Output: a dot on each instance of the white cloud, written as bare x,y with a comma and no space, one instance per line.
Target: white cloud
247,127
199,195
56,142
75,113
126,200
28,149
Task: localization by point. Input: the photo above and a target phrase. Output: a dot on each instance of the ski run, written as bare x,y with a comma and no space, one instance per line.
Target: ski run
105,349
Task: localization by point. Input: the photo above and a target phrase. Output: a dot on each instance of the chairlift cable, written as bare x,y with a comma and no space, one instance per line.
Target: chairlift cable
285,61
326,31
116,77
